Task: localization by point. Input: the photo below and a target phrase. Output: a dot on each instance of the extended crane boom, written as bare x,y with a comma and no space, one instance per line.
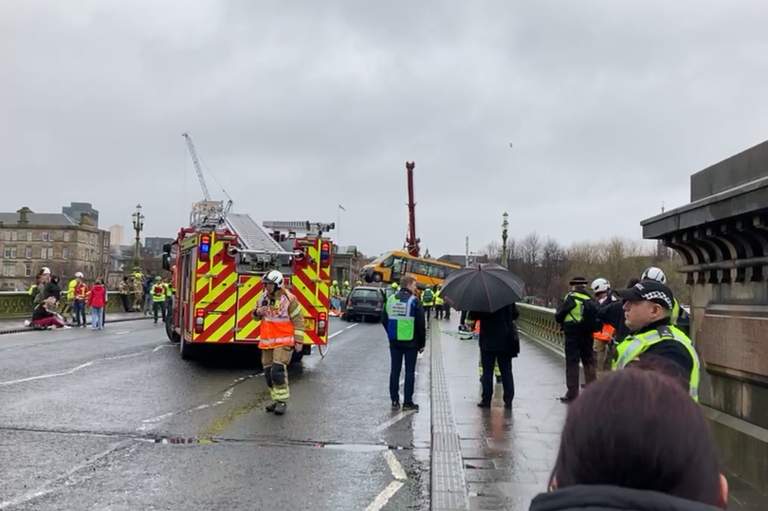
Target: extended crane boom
196,163
411,242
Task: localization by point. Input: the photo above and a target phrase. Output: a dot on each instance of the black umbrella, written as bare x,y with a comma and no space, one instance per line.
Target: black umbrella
482,288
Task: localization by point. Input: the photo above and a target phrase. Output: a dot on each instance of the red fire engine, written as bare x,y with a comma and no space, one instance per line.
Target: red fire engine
218,265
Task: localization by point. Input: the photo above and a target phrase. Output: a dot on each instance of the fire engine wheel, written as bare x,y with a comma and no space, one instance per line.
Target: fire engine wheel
186,350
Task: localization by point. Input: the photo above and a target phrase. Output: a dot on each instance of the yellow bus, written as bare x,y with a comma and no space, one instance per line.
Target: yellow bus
390,267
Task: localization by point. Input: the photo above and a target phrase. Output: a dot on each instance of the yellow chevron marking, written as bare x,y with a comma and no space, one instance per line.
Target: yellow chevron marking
205,282
228,305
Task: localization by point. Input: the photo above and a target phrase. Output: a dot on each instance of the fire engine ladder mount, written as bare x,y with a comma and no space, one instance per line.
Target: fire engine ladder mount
316,228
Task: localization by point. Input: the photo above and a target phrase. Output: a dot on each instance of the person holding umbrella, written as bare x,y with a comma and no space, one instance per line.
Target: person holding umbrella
488,293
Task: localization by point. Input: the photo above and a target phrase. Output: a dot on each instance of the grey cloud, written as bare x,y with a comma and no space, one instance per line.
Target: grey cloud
300,106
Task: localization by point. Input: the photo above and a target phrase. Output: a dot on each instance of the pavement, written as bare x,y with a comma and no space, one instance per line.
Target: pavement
16,325
114,419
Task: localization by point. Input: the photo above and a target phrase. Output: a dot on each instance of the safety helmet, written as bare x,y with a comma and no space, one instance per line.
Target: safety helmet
394,285
359,283
600,285
275,277
335,282
46,270
79,275
654,273
158,278
346,282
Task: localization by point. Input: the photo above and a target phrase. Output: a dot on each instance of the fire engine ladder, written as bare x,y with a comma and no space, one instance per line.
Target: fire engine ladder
317,228
253,238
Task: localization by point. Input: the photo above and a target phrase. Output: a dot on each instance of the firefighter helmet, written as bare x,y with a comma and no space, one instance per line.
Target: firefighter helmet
275,277
654,273
600,285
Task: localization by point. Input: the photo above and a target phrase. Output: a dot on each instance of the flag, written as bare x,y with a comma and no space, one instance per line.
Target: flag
341,207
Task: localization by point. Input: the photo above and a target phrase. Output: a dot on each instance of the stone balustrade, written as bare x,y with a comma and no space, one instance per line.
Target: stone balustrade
539,323
19,305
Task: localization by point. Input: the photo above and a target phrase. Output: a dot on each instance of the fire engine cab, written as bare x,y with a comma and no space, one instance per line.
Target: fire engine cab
218,264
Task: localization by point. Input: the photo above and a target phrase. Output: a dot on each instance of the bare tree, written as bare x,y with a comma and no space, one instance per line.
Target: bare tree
493,251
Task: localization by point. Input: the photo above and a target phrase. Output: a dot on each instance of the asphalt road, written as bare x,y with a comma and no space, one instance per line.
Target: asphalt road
116,420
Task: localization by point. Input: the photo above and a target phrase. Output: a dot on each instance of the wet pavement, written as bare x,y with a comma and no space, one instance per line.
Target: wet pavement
11,326
115,420
506,455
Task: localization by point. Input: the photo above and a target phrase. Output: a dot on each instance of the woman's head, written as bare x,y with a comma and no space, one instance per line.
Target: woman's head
639,429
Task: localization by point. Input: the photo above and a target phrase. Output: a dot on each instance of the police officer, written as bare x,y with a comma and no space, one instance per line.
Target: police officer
648,310
439,302
577,316
404,320
656,274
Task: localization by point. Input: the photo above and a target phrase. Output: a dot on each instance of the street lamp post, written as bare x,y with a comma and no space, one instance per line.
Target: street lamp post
504,225
138,225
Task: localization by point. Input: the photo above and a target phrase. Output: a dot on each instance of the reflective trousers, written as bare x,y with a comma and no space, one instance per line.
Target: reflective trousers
275,362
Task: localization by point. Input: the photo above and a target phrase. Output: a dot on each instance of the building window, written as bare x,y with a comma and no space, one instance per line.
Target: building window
46,253
28,253
29,235
7,235
9,271
66,236
10,252
65,253
14,236
43,236
27,270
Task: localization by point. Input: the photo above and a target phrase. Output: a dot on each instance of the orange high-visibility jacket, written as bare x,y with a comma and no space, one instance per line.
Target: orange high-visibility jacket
283,324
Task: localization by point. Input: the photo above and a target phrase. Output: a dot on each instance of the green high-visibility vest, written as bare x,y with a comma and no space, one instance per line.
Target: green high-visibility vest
576,314
401,323
675,313
634,345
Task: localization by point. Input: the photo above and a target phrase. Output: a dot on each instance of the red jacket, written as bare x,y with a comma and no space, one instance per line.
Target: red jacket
98,296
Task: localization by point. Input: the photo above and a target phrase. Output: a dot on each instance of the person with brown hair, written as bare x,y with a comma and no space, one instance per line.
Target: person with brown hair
651,450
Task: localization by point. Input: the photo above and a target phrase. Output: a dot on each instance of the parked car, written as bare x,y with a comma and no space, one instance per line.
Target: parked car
364,302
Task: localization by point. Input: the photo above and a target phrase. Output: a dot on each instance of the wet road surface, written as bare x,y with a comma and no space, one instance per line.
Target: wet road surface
116,420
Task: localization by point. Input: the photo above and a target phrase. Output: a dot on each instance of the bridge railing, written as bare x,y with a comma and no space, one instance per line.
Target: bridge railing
19,304
539,323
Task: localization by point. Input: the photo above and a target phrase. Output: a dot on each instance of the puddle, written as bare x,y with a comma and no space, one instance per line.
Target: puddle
317,445
362,447
181,441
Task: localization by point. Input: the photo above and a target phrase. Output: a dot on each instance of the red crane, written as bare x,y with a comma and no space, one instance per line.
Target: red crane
411,241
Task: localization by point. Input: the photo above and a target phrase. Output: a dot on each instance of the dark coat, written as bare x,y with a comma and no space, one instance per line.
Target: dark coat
498,331
420,334
612,498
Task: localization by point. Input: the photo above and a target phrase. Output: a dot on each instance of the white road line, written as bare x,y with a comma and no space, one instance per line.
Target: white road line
161,347
123,332
70,371
394,466
394,420
61,481
382,498
334,334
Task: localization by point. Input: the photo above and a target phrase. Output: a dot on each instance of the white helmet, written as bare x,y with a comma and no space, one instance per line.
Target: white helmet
600,285
654,273
46,270
79,275
274,277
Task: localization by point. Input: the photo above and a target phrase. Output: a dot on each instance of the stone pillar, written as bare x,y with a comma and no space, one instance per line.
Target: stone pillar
722,236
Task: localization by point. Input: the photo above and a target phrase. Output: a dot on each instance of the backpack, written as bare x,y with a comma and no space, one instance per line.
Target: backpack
427,296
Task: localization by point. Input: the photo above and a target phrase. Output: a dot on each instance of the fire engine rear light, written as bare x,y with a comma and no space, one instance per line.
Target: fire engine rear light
321,323
199,320
325,255
205,247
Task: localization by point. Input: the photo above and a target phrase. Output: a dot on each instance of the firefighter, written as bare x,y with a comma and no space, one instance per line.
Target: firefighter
648,308
158,292
335,293
428,300
80,297
282,332
604,338
577,317
358,283
138,293
345,289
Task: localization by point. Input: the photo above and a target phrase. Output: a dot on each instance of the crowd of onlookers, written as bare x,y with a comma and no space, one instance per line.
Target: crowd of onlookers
54,306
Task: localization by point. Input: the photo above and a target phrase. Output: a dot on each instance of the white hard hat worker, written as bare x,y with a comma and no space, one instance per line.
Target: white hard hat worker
600,286
282,332
46,270
654,273
79,275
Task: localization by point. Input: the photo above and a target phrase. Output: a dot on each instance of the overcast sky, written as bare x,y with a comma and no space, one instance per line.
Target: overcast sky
300,106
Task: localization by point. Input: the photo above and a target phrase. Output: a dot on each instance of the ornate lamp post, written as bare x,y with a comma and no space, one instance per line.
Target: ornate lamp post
504,226
138,225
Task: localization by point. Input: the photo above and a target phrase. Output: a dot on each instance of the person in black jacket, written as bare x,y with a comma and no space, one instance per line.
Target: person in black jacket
405,322
52,289
612,313
499,343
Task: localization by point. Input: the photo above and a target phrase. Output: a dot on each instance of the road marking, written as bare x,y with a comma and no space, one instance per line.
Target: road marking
394,466
70,371
394,420
382,498
334,334
62,481
123,332
148,424
161,347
